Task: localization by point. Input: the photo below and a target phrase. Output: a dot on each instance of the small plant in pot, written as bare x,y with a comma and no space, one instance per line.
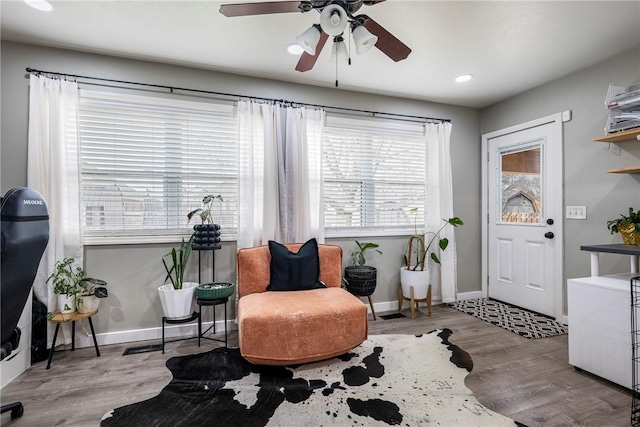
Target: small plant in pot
628,226
206,234
177,296
360,279
74,289
91,292
415,273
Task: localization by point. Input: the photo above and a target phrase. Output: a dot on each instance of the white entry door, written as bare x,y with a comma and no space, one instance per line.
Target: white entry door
523,203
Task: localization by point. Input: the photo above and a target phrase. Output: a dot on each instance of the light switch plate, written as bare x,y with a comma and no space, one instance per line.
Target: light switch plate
576,212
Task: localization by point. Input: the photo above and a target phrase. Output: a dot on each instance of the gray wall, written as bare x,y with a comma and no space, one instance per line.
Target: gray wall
134,271
586,182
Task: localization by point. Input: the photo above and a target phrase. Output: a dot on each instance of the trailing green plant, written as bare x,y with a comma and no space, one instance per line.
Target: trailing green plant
358,256
178,259
65,278
422,249
624,221
206,211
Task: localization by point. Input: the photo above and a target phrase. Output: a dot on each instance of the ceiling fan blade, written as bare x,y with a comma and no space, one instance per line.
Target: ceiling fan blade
245,9
387,42
307,61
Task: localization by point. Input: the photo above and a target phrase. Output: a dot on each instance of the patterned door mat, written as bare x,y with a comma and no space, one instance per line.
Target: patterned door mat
515,319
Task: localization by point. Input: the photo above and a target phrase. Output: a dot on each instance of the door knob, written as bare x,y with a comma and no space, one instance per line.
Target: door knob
549,235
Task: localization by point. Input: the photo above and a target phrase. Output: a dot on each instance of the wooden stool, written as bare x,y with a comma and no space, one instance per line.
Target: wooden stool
60,318
414,302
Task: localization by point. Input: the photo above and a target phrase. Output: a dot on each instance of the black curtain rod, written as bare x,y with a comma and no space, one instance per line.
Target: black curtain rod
173,88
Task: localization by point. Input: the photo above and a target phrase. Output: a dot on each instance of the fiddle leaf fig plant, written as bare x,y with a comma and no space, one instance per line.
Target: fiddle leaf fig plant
416,256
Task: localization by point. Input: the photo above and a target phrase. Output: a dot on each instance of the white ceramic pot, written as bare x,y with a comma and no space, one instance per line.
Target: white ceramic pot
419,279
178,303
66,303
89,304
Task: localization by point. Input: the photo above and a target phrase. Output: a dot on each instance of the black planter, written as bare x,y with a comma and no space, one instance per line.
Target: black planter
206,237
361,279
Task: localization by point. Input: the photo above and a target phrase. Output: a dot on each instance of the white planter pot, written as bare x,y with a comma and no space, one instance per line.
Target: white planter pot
66,303
178,303
89,304
419,279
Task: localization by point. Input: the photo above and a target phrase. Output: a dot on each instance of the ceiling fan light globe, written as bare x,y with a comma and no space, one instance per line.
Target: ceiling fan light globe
339,52
363,39
309,40
333,20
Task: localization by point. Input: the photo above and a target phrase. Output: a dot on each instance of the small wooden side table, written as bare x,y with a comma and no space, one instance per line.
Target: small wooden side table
60,318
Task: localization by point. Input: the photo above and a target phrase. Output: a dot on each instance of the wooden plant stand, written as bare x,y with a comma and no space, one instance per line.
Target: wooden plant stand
414,302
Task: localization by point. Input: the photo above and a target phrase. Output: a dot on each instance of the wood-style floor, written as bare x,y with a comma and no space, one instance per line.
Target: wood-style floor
530,381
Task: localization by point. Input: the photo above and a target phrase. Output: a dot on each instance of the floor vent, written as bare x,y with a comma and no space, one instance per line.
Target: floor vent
392,316
143,349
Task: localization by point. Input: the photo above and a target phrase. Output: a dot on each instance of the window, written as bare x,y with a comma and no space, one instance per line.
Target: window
148,161
374,174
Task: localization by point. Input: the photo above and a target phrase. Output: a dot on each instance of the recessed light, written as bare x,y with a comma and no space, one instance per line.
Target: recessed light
39,4
464,78
294,49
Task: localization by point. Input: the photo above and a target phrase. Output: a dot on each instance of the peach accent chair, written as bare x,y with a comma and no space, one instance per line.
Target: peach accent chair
292,327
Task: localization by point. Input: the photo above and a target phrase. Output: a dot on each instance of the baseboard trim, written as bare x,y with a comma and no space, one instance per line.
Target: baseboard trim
464,296
191,329
170,332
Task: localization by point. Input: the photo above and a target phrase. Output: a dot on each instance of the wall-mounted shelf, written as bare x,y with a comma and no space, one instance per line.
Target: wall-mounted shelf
625,136
633,169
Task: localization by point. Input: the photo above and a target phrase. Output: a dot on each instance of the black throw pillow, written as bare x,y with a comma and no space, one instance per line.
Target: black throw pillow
294,271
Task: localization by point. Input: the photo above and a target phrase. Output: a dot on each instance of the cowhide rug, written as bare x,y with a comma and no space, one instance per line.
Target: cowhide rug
388,380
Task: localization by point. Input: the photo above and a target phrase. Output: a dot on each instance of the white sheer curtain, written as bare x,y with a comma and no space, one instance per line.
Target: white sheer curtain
280,189
53,170
439,205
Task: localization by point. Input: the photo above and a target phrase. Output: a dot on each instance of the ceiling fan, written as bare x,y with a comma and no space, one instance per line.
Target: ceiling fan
334,17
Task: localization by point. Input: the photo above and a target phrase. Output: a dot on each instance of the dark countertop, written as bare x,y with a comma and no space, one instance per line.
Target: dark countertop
613,249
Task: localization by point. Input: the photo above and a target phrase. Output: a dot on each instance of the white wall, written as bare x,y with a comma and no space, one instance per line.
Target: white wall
133,272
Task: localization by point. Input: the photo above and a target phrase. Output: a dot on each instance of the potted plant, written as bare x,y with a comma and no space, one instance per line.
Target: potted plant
415,273
177,296
74,290
206,234
628,226
65,281
91,292
360,279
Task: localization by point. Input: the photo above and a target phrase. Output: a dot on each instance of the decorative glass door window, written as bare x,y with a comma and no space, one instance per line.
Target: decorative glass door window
521,184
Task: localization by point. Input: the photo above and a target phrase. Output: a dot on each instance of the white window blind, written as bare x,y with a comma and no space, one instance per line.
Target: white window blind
374,174
148,161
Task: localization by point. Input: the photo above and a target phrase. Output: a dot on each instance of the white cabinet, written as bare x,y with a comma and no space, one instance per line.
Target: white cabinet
20,359
600,326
